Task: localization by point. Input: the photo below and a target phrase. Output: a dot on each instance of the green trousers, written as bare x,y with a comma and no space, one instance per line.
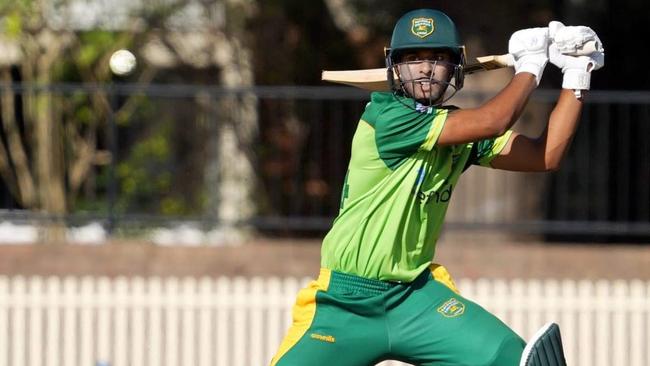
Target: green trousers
346,320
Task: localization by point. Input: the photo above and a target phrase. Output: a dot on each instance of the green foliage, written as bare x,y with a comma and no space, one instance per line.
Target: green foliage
84,115
144,162
95,45
13,25
146,176
145,108
17,16
16,6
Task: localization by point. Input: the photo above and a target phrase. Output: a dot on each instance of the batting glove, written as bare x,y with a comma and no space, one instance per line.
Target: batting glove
576,69
529,48
569,40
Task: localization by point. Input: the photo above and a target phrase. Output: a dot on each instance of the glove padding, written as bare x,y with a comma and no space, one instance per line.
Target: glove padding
570,39
576,69
529,48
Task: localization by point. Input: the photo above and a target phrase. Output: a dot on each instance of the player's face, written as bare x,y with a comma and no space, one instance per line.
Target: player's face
425,74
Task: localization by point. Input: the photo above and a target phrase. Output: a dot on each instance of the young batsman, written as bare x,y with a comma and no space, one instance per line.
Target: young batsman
378,295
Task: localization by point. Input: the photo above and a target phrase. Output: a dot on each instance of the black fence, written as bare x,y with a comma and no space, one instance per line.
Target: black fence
156,160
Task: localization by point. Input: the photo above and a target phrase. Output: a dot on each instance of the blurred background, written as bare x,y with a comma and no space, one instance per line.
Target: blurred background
167,209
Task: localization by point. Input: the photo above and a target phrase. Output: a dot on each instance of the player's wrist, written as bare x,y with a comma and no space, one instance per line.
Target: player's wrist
533,64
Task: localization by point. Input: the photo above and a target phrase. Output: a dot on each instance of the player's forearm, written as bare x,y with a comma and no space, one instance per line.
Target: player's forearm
505,108
493,118
562,125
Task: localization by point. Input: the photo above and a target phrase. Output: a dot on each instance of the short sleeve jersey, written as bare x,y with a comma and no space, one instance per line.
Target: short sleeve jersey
396,190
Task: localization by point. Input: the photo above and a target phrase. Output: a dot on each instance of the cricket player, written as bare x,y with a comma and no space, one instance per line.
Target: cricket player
378,295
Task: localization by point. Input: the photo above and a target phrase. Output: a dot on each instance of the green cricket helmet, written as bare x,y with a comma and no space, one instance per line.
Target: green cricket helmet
425,29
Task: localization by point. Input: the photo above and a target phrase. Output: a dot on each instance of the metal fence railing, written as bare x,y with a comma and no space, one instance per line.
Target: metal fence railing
153,160
241,321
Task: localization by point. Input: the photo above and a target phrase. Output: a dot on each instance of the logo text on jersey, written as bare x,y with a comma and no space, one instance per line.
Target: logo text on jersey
452,308
324,338
442,196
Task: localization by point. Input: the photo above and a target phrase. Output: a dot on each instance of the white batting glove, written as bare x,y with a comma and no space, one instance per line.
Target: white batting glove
576,69
529,48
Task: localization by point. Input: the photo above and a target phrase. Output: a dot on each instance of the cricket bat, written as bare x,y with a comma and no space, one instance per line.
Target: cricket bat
377,79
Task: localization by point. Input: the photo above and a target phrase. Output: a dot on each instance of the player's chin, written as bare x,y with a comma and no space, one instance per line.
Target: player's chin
419,93
426,97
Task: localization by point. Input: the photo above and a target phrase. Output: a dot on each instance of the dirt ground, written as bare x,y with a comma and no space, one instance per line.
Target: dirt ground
466,255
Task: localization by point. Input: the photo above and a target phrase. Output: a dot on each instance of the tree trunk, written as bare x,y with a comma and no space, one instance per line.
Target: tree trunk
23,186
49,165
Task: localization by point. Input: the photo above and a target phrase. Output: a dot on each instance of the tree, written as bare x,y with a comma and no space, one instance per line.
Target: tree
50,143
38,184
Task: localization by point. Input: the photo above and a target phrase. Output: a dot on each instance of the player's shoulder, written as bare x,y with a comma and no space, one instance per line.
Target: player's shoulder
379,101
381,97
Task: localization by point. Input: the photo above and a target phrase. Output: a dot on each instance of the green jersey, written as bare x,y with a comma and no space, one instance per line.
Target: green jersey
397,189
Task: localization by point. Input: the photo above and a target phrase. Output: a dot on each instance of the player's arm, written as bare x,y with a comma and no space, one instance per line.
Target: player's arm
546,152
493,118
529,48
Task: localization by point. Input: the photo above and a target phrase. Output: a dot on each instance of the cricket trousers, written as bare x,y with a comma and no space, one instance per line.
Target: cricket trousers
346,320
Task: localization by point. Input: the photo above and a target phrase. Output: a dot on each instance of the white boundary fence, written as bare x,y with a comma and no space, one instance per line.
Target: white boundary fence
240,322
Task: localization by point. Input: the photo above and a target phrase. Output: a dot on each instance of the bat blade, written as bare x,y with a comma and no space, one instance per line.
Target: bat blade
377,79
486,63
368,79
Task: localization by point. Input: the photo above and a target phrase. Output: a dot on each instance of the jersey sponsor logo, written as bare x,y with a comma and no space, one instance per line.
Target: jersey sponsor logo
442,196
452,308
422,27
324,338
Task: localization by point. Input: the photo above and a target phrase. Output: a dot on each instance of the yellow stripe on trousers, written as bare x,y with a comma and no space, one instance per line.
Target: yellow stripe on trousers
304,311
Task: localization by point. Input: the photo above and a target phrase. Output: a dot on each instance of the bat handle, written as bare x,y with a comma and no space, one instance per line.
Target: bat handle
505,60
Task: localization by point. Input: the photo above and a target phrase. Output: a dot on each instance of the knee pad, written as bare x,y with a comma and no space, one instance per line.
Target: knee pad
545,348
